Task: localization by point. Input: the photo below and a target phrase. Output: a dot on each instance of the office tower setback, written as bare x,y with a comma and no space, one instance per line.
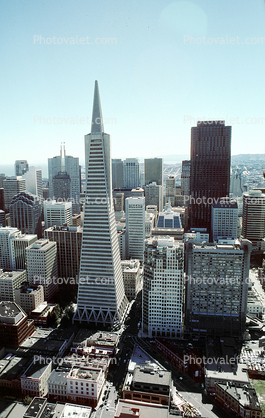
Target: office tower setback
59,168
101,297
253,226
26,213
117,173
9,282
131,173
185,178
42,269
57,213
216,287
154,195
135,227
153,171
210,169
33,179
21,167
224,219
163,287
13,186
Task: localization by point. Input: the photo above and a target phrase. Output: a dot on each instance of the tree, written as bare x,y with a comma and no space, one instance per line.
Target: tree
27,400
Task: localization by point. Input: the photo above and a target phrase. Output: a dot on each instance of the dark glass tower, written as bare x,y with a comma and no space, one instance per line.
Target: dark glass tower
210,170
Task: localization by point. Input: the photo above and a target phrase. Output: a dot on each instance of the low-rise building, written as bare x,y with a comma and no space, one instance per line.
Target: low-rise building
84,385
11,369
240,401
34,380
148,384
41,408
223,373
15,326
57,383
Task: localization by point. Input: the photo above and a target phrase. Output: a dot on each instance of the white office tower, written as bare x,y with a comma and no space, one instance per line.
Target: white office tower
131,173
63,166
135,227
101,297
154,195
42,269
12,186
57,213
9,282
253,226
21,167
12,248
224,219
163,289
33,179
6,233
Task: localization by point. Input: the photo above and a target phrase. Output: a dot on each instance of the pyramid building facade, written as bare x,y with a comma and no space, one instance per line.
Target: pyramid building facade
101,296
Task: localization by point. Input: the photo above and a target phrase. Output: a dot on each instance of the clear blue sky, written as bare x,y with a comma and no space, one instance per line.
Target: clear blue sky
154,81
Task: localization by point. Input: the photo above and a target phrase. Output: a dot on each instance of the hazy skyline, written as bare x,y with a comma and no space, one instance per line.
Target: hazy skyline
161,66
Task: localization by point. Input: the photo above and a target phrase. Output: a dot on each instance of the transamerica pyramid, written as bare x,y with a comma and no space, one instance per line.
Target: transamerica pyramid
101,297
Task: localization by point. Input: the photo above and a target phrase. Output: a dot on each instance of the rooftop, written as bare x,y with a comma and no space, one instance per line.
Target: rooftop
148,374
83,373
35,370
246,396
126,408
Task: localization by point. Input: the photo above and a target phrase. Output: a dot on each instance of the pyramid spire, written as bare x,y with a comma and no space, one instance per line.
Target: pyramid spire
97,119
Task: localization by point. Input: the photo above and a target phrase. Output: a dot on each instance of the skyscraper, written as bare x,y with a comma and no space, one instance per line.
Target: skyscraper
224,219
185,178
26,213
216,287
131,173
21,167
12,186
58,169
33,179
42,268
117,173
154,195
101,297
210,169
163,287
170,190
57,213
253,225
153,171
135,227
12,248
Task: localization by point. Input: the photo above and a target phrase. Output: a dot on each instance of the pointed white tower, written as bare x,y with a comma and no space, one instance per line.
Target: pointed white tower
101,297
